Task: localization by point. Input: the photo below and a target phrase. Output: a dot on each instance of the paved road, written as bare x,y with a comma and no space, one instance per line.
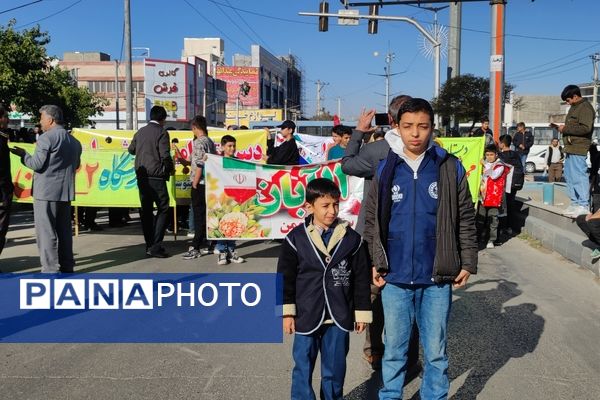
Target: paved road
527,326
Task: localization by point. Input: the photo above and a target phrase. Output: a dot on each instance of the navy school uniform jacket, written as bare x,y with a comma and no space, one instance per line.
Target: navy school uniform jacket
325,283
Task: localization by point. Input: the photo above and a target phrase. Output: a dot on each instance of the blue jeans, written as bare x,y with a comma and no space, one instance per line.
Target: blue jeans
578,183
523,158
429,305
225,246
333,344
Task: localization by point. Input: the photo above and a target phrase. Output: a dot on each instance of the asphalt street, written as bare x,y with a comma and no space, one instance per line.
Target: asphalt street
526,326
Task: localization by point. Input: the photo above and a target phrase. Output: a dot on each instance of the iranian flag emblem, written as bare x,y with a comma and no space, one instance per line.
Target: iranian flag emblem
238,179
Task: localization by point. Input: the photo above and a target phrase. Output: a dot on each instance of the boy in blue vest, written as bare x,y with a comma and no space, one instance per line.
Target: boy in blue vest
420,226
326,294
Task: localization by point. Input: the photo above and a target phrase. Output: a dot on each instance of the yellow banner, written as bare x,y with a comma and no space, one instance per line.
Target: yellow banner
106,178
251,115
251,145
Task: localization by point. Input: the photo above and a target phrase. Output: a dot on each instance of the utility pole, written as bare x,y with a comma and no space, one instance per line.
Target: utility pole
117,93
389,57
128,71
497,66
595,58
320,86
454,47
454,37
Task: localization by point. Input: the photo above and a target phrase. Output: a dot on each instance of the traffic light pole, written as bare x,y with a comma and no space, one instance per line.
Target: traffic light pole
424,32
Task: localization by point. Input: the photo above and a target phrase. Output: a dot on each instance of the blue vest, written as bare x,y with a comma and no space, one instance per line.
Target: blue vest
412,228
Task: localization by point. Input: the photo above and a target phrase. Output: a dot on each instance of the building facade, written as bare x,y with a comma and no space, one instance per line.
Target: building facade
181,86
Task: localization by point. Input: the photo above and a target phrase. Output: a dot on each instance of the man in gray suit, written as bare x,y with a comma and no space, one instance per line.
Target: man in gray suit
55,161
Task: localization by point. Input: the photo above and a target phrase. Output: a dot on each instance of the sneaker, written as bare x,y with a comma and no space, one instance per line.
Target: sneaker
234,258
205,250
191,254
222,259
490,245
190,234
574,211
595,254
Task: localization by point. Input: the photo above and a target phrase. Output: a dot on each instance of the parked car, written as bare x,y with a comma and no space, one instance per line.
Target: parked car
535,162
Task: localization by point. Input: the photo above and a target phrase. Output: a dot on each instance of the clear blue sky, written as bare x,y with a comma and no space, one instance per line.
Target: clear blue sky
547,45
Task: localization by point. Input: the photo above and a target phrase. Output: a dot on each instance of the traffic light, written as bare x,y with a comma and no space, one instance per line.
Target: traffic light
344,3
372,26
323,21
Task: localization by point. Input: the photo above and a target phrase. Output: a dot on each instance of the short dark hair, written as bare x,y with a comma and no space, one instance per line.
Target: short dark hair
569,91
485,119
395,106
505,140
491,148
158,113
243,127
321,187
227,139
414,105
521,124
342,130
200,122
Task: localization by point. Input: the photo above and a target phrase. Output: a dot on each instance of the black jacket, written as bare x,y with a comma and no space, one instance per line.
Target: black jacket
511,157
315,285
285,154
525,139
151,147
456,239
5,174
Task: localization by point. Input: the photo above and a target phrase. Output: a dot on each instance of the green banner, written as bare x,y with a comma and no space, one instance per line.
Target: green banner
105,178
470,152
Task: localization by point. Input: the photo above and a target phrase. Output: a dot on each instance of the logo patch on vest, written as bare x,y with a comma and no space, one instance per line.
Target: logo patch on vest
396,195
341,274
433,190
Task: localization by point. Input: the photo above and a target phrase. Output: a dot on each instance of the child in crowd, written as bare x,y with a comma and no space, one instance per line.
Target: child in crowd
226,248
202,145
341,136
493,184
326,277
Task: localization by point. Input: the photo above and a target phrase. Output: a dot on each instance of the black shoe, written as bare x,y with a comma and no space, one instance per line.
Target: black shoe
161,253
96,227
497,243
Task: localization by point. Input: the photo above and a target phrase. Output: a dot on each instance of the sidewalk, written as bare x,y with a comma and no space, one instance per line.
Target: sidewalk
555,231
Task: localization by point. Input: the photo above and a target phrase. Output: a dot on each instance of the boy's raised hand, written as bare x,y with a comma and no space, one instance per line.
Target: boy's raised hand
289,325
359,327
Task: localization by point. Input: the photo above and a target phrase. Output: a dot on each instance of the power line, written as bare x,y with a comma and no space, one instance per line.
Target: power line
234,22
213,25
534,73
51,15
260,39
571,68
21,6
264,15
552,61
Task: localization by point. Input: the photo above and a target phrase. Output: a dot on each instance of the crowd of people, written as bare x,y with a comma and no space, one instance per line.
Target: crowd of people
420,227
